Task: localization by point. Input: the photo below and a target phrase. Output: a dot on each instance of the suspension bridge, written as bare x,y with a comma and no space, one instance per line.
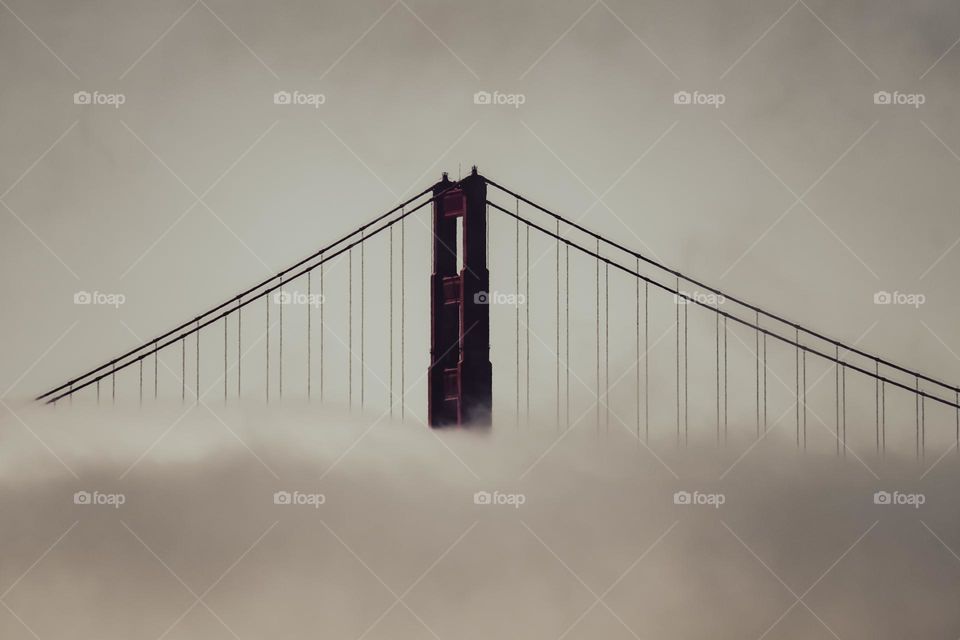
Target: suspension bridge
473,223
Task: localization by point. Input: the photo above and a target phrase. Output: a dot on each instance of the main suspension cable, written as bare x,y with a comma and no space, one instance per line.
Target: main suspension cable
92,372
719,293
242,303
751,325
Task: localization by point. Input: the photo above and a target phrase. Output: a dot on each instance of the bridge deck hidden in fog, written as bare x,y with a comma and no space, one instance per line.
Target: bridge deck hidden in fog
460,375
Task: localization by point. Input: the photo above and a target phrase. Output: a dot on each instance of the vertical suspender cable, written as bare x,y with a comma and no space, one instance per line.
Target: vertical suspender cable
280,346
98,392
183,369
156,366
876,389
403,316
198,362
676,303
350,328
757,354
916,409
323,329
566,262
726,380
598,335
716,318
267,301
239,344
686,377
517,337
309,341
836,353
390,324
141,383
113,384
646,361
557,310
796,370
765,423
923,427
225,347
363,296
526,285
804,361
637,318
606,343
883,418
843,382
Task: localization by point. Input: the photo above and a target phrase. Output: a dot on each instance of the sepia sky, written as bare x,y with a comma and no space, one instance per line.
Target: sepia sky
803,155
798,192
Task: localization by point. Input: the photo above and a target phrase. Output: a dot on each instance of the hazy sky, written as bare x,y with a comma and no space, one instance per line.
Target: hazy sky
798,192
144,156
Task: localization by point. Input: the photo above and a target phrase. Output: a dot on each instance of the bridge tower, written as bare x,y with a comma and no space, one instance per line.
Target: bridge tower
460,374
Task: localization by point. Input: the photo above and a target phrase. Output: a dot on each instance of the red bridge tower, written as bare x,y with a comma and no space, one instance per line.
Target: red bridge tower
460,375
